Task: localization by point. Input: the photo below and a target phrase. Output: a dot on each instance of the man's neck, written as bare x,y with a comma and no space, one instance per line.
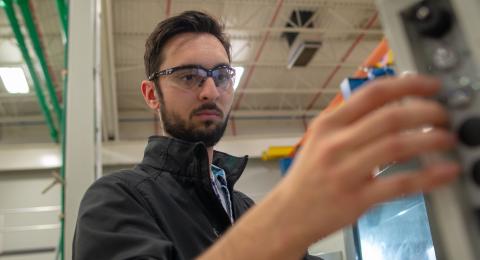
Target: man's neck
210,155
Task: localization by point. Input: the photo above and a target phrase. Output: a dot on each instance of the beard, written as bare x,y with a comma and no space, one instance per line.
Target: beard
209,132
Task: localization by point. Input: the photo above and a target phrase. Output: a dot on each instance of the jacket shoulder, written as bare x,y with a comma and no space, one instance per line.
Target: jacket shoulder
242,200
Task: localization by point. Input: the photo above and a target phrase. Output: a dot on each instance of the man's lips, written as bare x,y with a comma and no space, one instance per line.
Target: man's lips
209,114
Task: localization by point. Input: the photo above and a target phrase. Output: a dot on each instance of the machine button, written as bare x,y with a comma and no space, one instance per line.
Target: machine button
469,132
432,20
444,58
460,98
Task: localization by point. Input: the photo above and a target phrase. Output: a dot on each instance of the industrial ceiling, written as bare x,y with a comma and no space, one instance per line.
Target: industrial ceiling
271,99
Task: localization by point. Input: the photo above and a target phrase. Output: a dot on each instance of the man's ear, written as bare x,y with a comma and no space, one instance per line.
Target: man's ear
148,92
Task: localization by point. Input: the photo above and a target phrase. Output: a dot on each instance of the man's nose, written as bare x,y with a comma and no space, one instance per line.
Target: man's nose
208,90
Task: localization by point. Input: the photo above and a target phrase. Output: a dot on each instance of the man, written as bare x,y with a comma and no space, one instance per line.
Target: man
179,202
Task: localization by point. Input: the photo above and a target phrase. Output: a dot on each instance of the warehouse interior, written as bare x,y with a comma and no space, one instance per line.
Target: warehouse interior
279,92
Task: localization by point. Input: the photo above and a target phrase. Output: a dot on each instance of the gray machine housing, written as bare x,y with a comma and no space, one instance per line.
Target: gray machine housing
442,38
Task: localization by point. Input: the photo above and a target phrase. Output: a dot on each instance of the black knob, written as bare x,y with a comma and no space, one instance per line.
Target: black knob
431,20
469,132
476,172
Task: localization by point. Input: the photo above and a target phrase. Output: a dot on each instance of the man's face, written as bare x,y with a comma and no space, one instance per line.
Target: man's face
201,113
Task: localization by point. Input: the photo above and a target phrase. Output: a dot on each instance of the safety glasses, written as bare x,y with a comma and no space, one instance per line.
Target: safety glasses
193,76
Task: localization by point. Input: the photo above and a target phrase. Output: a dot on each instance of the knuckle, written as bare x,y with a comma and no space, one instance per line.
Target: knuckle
330,147
329,151
441,138
325,119
317,123
395,147
322,124
394,118
376,91
432,108
440,111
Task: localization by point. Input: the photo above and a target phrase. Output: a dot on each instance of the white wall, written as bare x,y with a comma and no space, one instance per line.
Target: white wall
20,190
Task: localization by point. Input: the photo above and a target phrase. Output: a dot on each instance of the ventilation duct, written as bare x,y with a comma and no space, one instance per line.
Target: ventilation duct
302,47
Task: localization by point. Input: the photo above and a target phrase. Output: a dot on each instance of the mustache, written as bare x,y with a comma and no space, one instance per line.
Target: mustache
207,106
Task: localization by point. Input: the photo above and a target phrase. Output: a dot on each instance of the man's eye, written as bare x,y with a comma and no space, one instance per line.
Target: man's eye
223,76
188,77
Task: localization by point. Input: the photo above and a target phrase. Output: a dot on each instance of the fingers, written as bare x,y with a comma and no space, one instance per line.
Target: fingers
381,92
407,183
393,119
357,168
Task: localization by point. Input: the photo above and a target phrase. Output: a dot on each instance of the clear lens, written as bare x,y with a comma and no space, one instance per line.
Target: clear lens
189,78
223,77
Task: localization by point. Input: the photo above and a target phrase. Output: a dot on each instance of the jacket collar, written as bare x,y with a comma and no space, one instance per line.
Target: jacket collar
190,160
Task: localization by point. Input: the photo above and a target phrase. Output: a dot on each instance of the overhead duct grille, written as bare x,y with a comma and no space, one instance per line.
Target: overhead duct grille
302,48
302,52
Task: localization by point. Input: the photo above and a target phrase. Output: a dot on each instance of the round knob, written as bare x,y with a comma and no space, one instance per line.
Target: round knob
476,172
432,20
469,132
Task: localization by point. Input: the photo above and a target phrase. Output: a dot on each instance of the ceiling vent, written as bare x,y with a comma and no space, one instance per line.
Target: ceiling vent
302,47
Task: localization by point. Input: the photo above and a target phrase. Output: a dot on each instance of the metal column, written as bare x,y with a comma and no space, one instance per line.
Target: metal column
83,163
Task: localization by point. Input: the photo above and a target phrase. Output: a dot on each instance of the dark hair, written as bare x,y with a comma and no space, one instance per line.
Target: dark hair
189,21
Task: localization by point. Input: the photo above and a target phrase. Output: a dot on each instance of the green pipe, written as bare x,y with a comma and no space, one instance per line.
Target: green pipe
10,12
63,125
63,14
27,17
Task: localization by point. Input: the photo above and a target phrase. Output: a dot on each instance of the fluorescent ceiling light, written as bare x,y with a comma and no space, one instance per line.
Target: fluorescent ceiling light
238,76
14,80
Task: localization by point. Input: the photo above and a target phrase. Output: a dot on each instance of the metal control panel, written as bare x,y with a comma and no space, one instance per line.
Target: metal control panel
442,38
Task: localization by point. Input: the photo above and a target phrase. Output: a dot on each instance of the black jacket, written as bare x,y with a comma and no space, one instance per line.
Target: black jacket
164,208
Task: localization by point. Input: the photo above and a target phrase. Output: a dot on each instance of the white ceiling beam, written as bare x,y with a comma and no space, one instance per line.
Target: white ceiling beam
258,113
7,97
357,4
147,115
3,110
302,91
283,64
124,68
340,18
298,91
21,119
305,30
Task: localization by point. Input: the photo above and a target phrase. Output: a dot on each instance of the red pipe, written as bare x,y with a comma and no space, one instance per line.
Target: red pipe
258,54
359,38
42,46
168,5
252,68
233,126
